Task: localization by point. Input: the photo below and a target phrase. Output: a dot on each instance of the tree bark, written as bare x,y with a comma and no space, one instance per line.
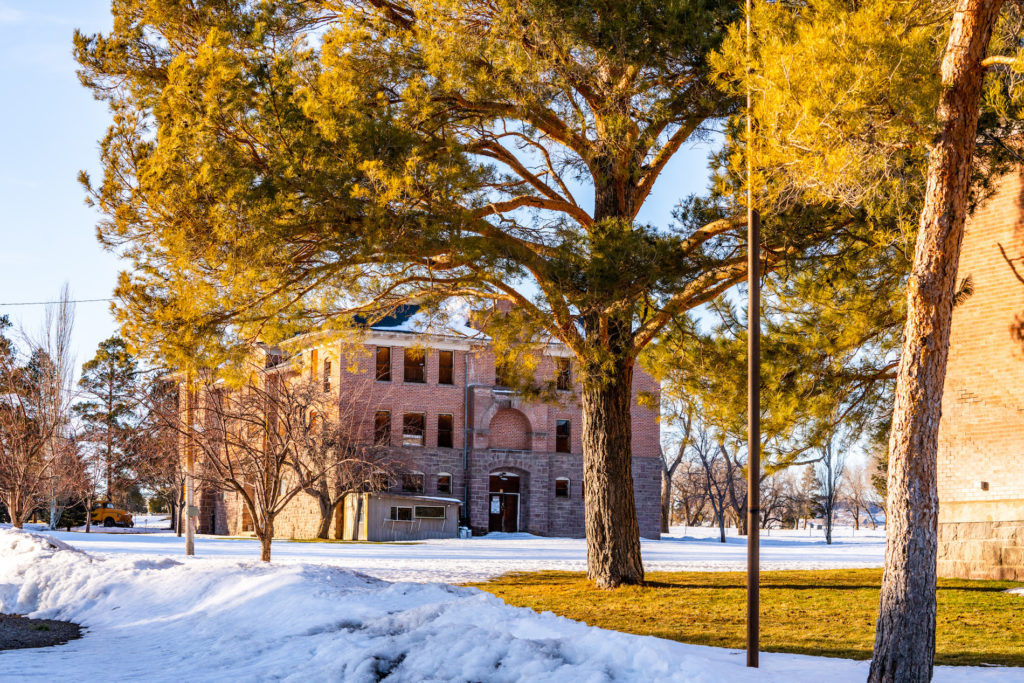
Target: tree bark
905,633
323,530
266,538
613,536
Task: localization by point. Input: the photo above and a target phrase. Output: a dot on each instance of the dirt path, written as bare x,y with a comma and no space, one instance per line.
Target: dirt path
17,632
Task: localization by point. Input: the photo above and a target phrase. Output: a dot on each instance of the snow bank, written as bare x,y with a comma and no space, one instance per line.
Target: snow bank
209,619
1015,591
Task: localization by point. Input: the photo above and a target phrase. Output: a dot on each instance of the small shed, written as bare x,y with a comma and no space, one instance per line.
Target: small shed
399,517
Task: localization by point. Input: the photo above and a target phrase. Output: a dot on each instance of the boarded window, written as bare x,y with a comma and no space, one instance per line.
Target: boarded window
401,514
444,431
444,483
430,511
412,482
562,436
446,367
383,364
382,428
561,487
414,427
563,380
415,366
327,375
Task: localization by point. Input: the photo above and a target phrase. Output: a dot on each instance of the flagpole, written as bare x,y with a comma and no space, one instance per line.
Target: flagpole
753,390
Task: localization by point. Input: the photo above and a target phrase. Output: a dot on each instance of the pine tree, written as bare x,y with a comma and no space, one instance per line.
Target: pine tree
110,381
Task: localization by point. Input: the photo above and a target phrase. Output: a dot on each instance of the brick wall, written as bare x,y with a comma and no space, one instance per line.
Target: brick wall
505,433
981,436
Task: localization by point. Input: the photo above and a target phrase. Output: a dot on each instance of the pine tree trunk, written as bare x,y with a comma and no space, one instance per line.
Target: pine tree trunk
905,634
613,536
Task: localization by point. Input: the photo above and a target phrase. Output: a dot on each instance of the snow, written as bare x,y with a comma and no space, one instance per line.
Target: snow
1016,591
205,619
481,558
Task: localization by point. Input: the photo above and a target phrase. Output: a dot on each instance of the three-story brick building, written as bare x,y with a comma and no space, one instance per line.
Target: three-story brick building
438,400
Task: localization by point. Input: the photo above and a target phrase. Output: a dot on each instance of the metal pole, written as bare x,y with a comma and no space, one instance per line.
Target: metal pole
190,462
753,438
753,387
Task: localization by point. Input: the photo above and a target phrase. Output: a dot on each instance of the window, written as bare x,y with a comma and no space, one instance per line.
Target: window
412,482
378,482
563,379
446,367
313,360
415,366
562,487
444,431
327,375
383,364
430,511
444,483
562,434
413,429
382,428
401,514
502,374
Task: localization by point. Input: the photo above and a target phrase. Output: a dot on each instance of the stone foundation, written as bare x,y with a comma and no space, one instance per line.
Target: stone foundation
982,550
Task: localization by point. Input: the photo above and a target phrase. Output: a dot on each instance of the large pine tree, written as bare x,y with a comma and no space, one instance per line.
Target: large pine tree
273,165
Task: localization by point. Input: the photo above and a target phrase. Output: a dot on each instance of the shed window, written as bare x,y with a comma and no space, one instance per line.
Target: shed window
446,367
563,380
382,428
413,429
327,375
412,482
383,364
561,487
401,514
444,483
415,366
444,431
562,436
430,511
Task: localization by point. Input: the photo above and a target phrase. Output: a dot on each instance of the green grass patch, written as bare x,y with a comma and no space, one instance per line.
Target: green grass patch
829,613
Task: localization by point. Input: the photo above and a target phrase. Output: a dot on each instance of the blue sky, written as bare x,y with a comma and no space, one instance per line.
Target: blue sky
50,127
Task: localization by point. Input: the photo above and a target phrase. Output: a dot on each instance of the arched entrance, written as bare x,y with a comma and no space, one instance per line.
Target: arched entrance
503,505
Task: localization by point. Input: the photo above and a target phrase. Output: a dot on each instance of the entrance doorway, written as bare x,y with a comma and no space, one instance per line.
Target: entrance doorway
504,503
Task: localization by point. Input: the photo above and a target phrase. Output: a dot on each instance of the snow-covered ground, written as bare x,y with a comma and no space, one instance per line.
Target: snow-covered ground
476,559
204,619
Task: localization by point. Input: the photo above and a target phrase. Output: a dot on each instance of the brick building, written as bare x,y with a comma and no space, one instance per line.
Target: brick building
981,436
439,401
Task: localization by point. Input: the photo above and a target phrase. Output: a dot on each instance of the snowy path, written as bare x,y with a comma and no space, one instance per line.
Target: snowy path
476,559
220,619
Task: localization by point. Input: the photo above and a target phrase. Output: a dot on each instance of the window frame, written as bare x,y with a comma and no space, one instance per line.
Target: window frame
563,442
444,369
443,508
568,488
395,514
450,431
382,371
379,438
563,374
410,476
421,366
407,435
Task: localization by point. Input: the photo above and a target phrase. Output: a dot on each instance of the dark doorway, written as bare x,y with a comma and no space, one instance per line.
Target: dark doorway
503,505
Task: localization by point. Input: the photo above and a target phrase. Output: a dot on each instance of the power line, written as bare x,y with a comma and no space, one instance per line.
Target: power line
47,303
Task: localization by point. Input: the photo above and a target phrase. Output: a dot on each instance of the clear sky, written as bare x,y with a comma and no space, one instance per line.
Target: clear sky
50,127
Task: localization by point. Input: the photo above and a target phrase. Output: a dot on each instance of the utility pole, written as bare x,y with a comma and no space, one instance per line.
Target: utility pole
753,389
190,465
